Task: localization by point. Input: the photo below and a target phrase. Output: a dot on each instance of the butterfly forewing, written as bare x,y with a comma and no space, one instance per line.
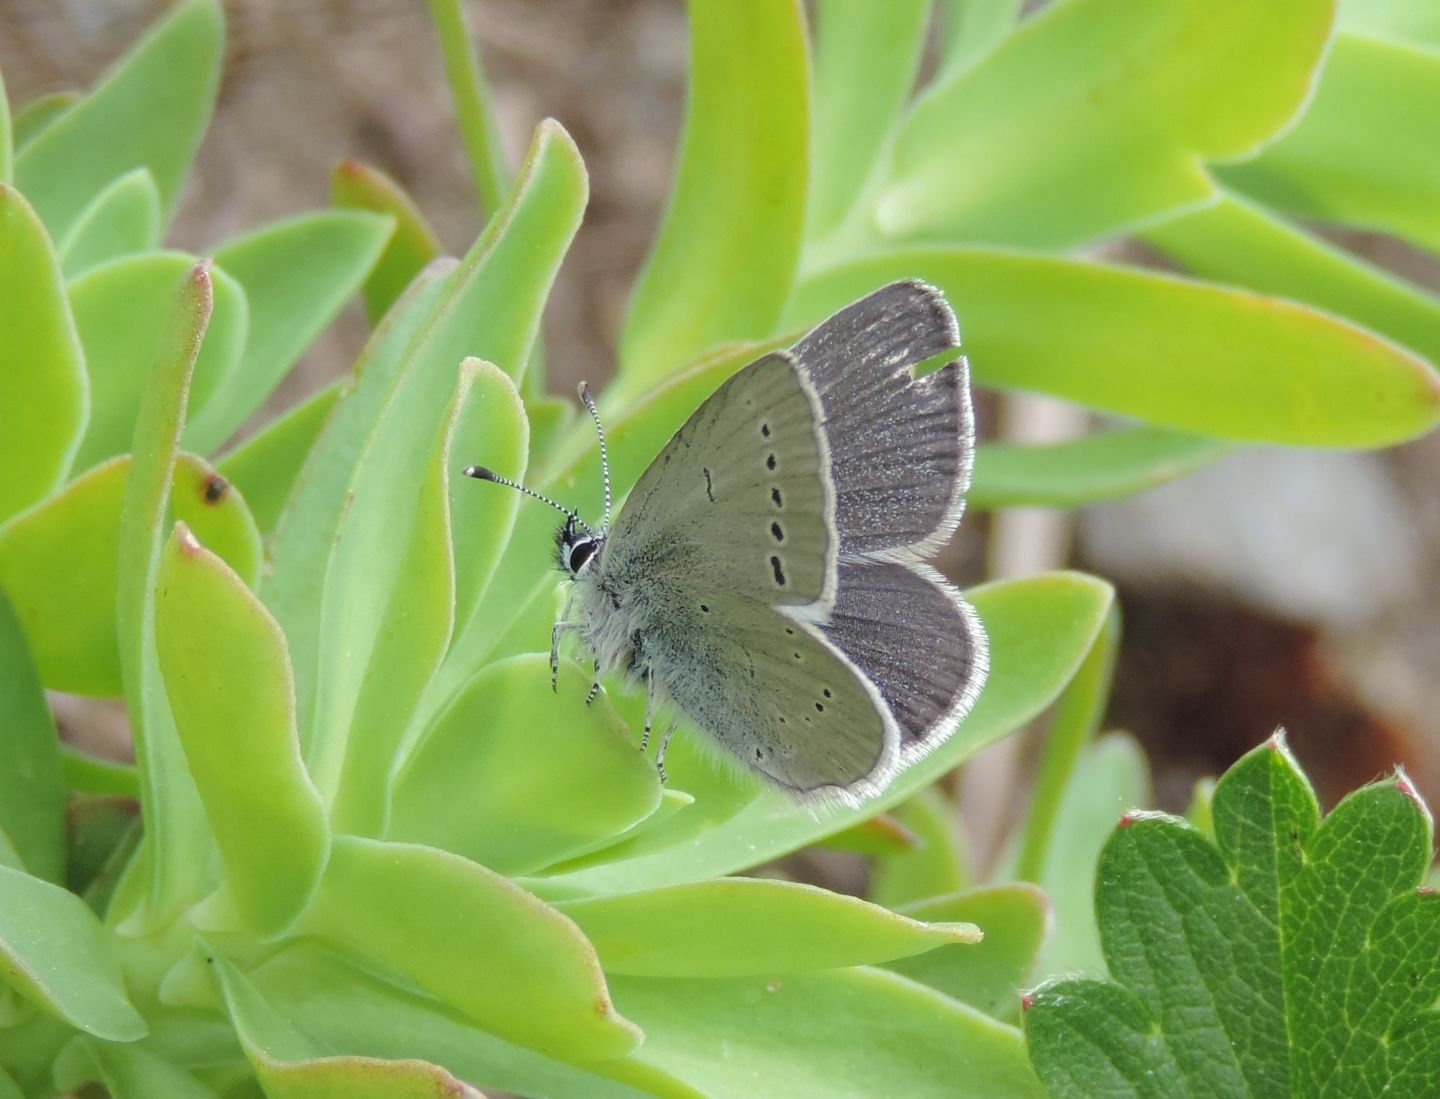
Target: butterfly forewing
739,500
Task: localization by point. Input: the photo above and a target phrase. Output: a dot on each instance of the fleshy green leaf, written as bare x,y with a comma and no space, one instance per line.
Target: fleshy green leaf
31,120
1357,156
266,466
848,1032
412,632
7,141
127,1071
223,658
970,29
305,530
149,111
421,912
123,218
731,235
291,1065
936,866
1148,93
866,59
59,563
1239,242
1234,365
1040,629
734,927
1413,21
1100,466
1297,958
121,309
32,797
355,1013
413,244
54,952
515,776
42,364
989,975
1111,779
491,309
175,852
296,274
98,827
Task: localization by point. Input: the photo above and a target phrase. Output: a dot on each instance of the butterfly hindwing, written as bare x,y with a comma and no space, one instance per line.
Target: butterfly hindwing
773,693
917,640
740,499
902,446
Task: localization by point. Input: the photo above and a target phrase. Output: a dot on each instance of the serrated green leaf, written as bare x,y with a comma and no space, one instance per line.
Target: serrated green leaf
1148,93
150,110
1237,365
31,120
42,365
266,466
291,1065
731,235
354,1012
491,307
847,1032
174,855
989,975
32,797
305,531
735,927
412,244
866,60
54,952
121,309
223,659
123,218
935,866
1357,156
1298,958
59,563
1102,465
420,912
1040,629
296,274
515,776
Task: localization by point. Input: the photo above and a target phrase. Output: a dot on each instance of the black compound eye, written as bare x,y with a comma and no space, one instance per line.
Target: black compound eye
580,554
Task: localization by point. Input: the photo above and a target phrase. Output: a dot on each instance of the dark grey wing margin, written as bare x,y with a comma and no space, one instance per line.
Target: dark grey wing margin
919,643
901,447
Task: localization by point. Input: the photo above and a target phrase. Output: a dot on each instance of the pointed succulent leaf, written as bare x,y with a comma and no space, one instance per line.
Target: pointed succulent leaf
150,110
1230,356
515,776
296,275
43,387
732,231
413,244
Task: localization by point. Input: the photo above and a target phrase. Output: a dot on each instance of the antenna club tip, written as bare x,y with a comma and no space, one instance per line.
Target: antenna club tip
585,393
480,473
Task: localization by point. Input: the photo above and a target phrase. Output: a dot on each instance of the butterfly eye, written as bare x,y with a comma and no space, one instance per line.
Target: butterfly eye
580,554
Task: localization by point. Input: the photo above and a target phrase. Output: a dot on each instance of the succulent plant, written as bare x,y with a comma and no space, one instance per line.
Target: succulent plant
376,854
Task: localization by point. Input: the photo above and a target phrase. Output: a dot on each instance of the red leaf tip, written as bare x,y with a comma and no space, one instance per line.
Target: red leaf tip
1027,1001
188,543
1128,819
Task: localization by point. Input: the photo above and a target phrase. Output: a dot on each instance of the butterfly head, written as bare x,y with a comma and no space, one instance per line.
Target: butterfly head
576,546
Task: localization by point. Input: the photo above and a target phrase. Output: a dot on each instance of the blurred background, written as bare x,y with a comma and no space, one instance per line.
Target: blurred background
1274,588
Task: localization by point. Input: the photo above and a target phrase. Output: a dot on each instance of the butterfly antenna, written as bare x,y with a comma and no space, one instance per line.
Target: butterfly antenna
604,458
480,473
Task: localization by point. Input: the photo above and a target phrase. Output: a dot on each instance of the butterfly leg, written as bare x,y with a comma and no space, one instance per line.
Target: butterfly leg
594,685
660,755
555,633
649,710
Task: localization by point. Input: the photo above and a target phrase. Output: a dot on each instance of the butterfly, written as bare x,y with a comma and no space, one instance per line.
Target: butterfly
767,575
